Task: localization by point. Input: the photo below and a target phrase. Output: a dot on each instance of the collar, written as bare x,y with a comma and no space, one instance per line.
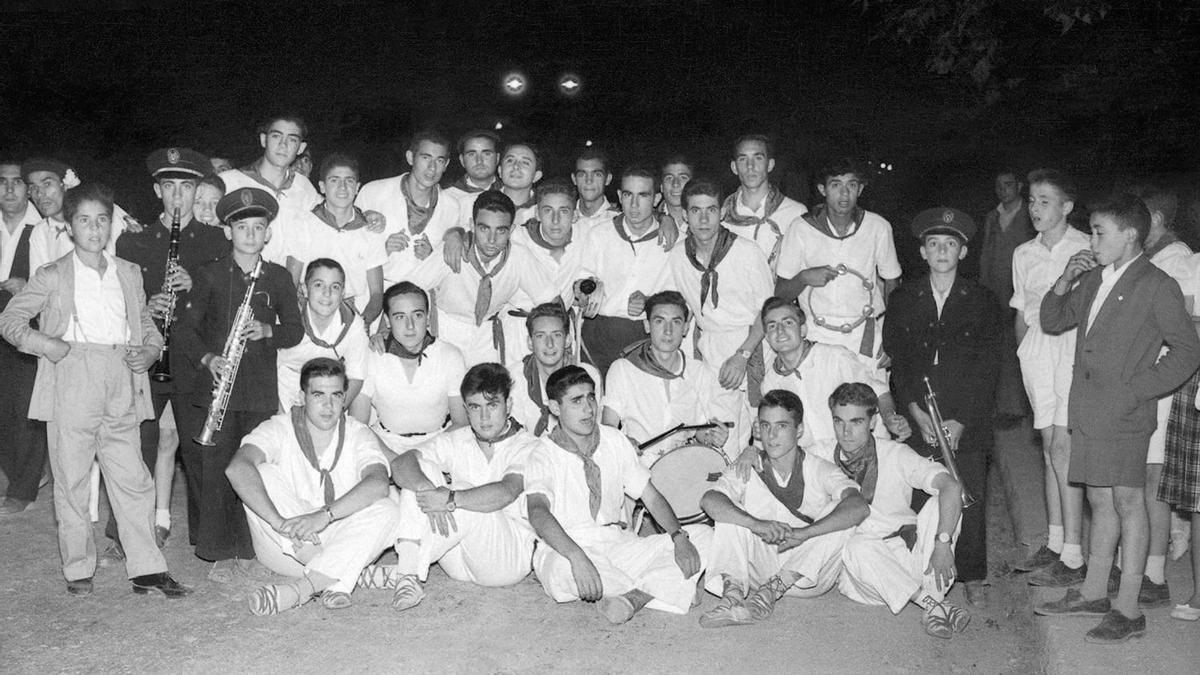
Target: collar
326,216
1111,273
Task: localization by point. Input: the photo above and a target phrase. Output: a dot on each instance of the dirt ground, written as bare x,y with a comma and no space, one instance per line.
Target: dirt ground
462,628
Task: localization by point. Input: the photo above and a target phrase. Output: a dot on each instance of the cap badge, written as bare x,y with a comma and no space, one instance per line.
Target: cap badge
947,216
247,198
173,155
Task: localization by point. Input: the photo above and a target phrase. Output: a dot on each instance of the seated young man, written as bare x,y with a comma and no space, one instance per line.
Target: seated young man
549,329
812,370
315,488
654,386
331,329
575,489
473,527
781,529
896,556
412,383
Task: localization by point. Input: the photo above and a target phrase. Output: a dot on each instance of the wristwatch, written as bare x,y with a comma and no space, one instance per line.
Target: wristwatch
942,538
744,353
450,505
329,511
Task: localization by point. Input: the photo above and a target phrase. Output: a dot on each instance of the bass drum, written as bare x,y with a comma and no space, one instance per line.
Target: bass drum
683,475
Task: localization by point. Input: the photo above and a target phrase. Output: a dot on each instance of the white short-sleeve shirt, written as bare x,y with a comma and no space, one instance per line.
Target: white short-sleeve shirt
419,406
386,197
649,405
763,235
744,282
823,483
1036,268
563,271
458,453
357,251
624,267
351,351
457,291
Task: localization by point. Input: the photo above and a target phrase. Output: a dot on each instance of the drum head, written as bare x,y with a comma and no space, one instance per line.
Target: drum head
684,475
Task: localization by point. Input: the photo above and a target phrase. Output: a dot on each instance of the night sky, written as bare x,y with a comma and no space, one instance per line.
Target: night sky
103,86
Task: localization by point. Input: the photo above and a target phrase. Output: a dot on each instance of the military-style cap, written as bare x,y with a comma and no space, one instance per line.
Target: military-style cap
943,220
177,163
245,203
44,164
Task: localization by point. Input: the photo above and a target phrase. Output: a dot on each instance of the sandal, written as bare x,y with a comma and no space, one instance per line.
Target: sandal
384,577
957,617
336,600
276,598
408,593
722,615
937,623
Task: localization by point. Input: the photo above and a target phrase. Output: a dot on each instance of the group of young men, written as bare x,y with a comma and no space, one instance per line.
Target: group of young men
491,375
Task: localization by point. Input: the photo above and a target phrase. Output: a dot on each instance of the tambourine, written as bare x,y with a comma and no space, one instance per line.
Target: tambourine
868,309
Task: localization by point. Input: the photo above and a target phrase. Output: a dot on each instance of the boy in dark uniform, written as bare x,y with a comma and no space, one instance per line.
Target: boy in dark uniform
947,328
221,533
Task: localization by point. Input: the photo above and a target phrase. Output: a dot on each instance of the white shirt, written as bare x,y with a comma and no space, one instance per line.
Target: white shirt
1109,276
1174,259
824,368
563,271
1036,268
456,292
785,217
585,223
419,405
465,201
294,201
901,470
558,475
386,197
649,405
277,439
357,251
352,352
623,267
8,242
868,249
823,483
51,240
99,305
458,454
525,411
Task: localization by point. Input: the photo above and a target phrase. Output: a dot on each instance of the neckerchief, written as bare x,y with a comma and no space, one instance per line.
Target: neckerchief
708,273
300,426
820,221
463,184
533,386
344,313
782,369
591,470
1164,241
509,431
791,495
483,298
619,226
774,200
252,171
418,216
534,229
641,355
398,350
358,221
863,469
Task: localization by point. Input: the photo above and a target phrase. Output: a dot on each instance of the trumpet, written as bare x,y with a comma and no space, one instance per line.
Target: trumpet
235,347
942,436
162,369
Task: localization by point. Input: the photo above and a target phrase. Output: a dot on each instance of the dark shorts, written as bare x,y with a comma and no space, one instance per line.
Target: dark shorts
1108,461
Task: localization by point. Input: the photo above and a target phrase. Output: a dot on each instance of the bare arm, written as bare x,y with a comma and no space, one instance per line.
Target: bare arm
686,555
550,531
458,413
407,473
243,475
849,512
360,407
375,297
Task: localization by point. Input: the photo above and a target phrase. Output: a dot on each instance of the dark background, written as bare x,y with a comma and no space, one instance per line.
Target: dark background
102,84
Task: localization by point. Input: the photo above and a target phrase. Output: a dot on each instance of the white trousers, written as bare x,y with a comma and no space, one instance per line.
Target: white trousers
347,545
884,572
625,562
740,554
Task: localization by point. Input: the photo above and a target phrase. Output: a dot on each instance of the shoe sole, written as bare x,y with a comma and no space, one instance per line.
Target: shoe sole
1156,604
1117,641
1071,612
723,622
1055,583
174,595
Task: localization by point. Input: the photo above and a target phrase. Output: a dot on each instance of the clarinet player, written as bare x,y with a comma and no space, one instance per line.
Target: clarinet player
216,519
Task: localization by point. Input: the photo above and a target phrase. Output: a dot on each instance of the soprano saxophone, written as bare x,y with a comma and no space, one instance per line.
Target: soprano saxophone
162,369
235,346
942,434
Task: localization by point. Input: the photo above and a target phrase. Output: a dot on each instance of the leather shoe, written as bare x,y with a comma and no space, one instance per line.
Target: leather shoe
1115,628
1114,581
1073,603
1152,595
1058,575
80,588
1043,557
161,534
160,582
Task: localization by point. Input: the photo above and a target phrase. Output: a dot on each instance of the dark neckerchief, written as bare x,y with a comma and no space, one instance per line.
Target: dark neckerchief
641,355
791,495
619,226
483,297
304,438
511,430
418,216
396,349
533,387
708,273
534,229
783,370
821,223
344,313
252,171
463,184
591,470
862,469
357,222
1164,241
774,200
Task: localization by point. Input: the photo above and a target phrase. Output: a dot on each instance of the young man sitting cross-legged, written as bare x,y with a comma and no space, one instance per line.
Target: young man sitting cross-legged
783,528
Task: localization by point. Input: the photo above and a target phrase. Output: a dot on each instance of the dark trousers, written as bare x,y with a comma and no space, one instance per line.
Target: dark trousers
1011,400
604,337
216,520
150,433
22,440
970,552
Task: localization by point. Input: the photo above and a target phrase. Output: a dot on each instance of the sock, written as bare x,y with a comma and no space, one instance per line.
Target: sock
162,518
1155,568
1055,542
1072,555
732,589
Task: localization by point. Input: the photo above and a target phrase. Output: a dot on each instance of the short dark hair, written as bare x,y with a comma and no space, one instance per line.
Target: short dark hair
700,186
548,309
1126,210
840,166
754,138
775,302
591,152
336,159
1061,181
89,191
640,171
555,186
561,381
1010,171
285,117
213,180
490,379
677,158
403,288
1163,200
429,136
855,393
667,298
478,133
495,201
322,366
782,398
323,263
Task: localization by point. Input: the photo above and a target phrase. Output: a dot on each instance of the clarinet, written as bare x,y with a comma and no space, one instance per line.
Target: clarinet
162,369
235,346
